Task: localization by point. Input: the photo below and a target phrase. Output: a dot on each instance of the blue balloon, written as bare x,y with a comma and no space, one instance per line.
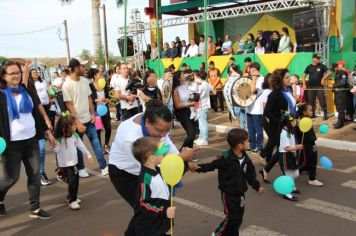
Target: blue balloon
101,110
326,163
177,186
2,145
324,128
284,185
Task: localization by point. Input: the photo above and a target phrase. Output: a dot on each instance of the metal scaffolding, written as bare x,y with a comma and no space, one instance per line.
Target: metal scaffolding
259,8
137,32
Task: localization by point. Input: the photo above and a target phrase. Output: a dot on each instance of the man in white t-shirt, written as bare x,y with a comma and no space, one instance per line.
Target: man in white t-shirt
255,110
227,46
76,94
128,101
193,50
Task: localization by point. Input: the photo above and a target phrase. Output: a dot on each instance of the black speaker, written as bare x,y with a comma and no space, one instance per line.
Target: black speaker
308,26
130,47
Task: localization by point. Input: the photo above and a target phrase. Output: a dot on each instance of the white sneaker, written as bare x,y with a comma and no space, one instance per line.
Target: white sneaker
316,183
202,142
355,120
78,201
197,140
105,171
83,173
74,205
193,115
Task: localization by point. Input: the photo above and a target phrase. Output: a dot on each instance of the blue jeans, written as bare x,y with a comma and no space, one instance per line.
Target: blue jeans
203,124
242,113
42,154
94,140
254,125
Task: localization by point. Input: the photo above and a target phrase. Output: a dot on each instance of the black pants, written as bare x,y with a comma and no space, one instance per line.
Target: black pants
309,159
272,161
183,116
234,208
313,94
107,126
125,184
51,114
273,134
15,152
129,113
71,177
214,99
60,101
340,103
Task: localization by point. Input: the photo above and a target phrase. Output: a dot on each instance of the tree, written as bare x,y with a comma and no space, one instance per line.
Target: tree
95,4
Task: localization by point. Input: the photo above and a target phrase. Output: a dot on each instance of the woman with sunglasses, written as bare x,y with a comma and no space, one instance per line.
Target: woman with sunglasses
20,125
124,169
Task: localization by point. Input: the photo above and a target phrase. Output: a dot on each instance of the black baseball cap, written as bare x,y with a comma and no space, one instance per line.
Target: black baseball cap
74,62
184,64
316,56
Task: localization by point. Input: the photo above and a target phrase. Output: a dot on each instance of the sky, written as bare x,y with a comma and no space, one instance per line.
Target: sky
18,16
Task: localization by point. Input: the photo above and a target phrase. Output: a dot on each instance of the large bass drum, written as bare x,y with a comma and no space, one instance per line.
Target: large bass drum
166,90
237,92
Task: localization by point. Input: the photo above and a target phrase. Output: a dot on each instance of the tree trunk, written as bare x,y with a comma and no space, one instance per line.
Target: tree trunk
96,25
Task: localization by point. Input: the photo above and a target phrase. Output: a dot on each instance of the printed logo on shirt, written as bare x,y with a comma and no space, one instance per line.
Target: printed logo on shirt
242,202
318,70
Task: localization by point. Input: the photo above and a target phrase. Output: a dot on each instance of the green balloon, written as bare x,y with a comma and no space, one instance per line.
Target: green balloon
2,145
324,128
51,92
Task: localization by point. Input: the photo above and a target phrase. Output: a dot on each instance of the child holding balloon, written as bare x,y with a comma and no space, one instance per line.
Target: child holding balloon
235,169
309,154
152,209
287,150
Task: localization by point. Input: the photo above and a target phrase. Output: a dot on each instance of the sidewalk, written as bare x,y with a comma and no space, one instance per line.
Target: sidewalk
341,139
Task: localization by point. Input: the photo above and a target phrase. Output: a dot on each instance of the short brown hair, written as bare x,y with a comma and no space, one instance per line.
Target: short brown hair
236,136
277,78
142,146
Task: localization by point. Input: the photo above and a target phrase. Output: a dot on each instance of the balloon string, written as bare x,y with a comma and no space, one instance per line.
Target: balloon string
172,206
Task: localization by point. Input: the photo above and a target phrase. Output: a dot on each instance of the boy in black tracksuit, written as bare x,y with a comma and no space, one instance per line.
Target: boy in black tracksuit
234,169
152,211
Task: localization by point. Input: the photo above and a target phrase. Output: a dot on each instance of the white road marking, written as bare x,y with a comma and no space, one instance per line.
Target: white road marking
350,184
199,207
254,230
329,208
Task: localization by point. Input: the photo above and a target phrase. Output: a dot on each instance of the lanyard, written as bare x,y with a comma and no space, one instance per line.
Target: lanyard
143,128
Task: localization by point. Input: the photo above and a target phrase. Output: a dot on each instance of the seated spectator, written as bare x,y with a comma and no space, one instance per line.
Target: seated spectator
218,45
193,49
184,48
239,44
246,70
174,50
202,66
259,37
201,45
227,46
273,45
259,49
154,51
166,53
284,43
179,46
211,47
249,45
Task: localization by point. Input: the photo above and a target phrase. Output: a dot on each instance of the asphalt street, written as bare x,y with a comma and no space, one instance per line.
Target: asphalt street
328,210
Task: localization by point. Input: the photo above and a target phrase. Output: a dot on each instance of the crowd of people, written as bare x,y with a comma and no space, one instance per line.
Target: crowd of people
263,42
29,110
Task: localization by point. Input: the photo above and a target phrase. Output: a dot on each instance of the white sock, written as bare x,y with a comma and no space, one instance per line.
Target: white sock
192,115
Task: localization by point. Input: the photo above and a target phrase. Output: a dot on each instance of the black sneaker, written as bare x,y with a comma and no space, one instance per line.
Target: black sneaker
106,149
2,210
41,214
60,176
44,179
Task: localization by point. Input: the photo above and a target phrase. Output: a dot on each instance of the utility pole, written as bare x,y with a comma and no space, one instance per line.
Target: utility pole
106,50
66,40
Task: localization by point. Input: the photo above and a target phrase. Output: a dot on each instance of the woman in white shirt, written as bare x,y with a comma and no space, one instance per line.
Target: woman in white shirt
124,169
182,106
284,43
20,122
204,89
42,92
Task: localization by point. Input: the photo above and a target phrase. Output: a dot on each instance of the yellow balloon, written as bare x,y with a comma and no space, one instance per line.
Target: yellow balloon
172,168
305,124
102,83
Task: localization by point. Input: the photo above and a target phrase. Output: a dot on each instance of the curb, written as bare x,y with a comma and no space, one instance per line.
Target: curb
321,142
